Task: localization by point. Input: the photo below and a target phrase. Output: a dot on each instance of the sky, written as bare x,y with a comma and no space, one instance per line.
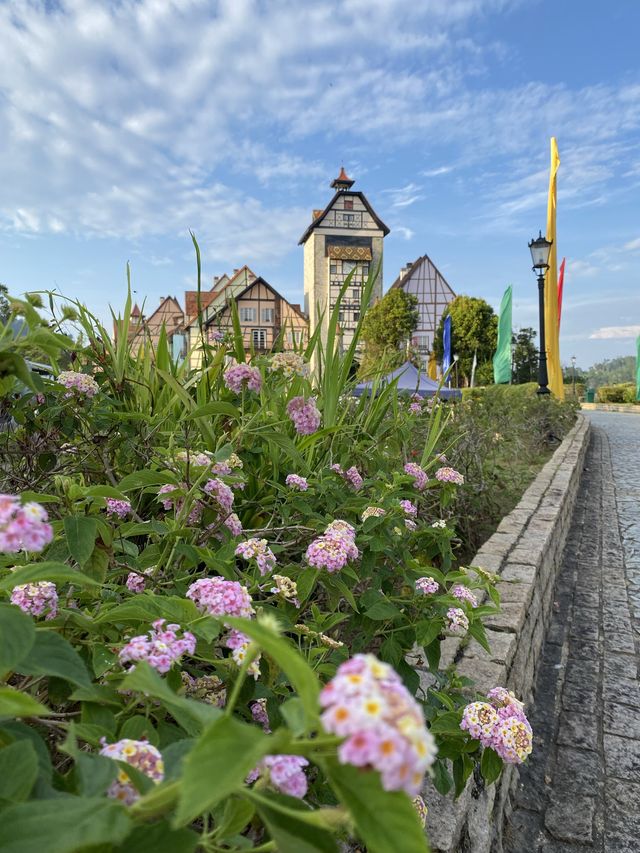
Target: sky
125,124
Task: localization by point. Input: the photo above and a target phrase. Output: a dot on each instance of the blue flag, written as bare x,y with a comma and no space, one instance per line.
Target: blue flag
446,344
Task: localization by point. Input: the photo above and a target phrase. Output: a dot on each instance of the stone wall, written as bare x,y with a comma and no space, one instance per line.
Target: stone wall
525,551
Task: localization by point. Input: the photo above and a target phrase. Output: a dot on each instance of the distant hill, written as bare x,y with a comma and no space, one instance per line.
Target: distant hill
612,371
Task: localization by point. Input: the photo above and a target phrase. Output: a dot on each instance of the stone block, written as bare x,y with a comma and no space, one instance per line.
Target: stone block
485,674
511,617
521,572
622,758
445,818
578,730
501,643
571,819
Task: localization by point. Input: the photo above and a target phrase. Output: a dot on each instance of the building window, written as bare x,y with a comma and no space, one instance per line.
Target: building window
365,269
259,337
356,316
267,315
348,266
341,316
247,315
355,294
348,204
348,218
333,268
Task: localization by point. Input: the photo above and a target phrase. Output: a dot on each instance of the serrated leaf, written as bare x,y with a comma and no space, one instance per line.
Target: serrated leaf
55,572
18,771
16,704
490,765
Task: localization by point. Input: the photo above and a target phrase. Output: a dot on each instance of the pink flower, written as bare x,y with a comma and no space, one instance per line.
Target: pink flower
136,582
221,493
233,524
23,526
294,481
420,478
458,622
79,382
286,773
427,585
120,508
304,414
242,375
415,408
383,726
219,597
38,599
352,476
161,648
480,720
139,754
258,550
449,475
334,549
462,593
501,725
513,740
260,715
409,508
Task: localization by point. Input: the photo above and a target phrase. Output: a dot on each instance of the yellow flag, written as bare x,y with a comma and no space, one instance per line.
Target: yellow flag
432,368
552,331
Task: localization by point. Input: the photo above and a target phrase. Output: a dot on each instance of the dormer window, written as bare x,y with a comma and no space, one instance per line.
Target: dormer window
348,204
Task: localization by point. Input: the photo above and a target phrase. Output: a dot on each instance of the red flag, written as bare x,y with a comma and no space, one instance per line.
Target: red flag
560,283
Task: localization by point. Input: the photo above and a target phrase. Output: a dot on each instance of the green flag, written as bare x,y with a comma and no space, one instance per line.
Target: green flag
502,358
638,368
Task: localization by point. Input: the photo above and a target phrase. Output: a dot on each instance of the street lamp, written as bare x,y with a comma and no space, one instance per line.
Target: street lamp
540,248
573,365
455,361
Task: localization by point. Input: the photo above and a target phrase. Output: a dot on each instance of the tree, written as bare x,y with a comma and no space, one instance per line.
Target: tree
525,356
5,310
612,371
474,329
386,327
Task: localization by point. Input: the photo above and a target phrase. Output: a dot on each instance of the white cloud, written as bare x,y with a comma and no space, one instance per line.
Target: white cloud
632,245
608,332
440,170
403,231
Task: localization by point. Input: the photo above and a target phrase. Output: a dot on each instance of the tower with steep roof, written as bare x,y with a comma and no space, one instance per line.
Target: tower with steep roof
345,237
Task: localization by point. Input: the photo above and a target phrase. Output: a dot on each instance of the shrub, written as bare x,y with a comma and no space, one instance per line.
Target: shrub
207,606
623,393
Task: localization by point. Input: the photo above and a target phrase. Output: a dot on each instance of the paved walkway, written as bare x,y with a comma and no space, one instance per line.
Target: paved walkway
580,791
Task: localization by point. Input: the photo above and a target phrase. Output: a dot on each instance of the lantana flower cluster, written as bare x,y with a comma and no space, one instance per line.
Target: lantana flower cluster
351,476
500,724
288,363
305,415
287,588
258,550
295,481
427,585
420,478
457,620
160,648
449,475
136,581
239,376
139,754
38,599
220,597
81,383
284,772
367,703
120,508
23,526
463,593
334,549
221,493
170,501
373,512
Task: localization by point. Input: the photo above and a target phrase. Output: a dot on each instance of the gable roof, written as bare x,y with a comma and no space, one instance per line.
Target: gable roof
318,219
240,292
406,275
216,294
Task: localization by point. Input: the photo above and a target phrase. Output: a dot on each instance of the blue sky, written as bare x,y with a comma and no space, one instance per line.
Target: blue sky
124,124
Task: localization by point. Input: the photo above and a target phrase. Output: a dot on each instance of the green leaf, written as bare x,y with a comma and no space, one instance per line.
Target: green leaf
81,533
490,765
193,716
218,765
103,492
427,630
288,659
447,723
140,479
17,636
146,607
97,565
442,780
14,730
385,820
236,816
94,773
293,713
55,572
216,408
62,826
51,654
16,704
139,728
381,610
159,838
476,630
18,771
293,835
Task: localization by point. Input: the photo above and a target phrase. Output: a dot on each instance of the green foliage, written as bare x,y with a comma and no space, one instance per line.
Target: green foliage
525,356
63,688
387,326
474,329
623,393
5,309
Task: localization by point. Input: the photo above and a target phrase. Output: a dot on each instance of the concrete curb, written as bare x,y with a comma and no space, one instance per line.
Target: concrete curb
526,552
626,408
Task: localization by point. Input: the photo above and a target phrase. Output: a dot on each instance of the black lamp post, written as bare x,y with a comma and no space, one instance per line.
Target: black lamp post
540,248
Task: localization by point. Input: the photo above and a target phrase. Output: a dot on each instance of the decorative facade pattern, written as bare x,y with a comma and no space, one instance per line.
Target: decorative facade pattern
423,279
